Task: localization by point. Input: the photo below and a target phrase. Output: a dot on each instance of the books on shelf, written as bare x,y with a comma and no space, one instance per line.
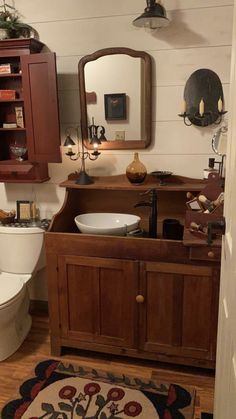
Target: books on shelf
19,117
9,125
5,68
7,94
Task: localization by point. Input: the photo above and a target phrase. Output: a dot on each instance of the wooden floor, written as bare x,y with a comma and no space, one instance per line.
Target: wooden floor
37,348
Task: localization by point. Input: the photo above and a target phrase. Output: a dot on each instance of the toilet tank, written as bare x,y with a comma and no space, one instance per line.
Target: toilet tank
21,249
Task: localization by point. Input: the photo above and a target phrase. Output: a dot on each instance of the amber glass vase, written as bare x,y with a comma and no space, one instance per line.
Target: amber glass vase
136,171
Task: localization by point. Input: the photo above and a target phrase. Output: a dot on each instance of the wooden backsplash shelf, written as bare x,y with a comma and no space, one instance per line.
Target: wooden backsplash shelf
120,182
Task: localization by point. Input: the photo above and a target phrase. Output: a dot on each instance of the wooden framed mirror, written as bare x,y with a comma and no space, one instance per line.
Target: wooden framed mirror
115,93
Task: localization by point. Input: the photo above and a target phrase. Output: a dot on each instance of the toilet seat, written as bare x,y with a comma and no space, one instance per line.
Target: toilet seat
11,286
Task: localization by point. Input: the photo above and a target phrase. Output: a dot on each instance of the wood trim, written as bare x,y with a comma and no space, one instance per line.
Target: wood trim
178,268
53,301
30,44
172,358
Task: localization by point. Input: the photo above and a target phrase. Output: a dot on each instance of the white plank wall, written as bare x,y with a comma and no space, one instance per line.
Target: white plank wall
199,36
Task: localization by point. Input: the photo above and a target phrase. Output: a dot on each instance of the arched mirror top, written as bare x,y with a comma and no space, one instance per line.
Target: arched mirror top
115,94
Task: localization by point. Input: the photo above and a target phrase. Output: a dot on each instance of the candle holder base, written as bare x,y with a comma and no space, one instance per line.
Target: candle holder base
84,179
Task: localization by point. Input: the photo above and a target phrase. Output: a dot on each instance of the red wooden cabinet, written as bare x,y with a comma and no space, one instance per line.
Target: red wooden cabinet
33,78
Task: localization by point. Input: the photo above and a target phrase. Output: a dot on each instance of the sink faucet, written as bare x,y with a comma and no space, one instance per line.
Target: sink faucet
152,203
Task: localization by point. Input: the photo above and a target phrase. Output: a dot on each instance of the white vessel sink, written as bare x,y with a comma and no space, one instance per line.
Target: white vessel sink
107,223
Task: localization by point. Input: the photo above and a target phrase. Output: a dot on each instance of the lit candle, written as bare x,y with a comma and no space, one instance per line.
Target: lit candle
201,107
220,105
69,148
184,107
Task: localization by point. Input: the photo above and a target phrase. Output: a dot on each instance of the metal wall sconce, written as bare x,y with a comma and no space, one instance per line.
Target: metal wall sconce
96,133
83,178
153,17
203,99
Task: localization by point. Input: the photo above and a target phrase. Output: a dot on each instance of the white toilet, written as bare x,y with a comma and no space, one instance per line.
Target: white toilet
21,255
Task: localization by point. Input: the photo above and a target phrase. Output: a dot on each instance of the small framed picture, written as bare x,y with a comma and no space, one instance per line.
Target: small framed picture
115,106
195,205
23,211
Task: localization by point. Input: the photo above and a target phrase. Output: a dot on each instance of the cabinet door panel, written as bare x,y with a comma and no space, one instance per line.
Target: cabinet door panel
81,286
113,287
97,298
159,301
41,107
179,315
197,303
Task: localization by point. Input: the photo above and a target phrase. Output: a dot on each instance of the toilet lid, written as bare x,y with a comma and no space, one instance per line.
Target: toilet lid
10,286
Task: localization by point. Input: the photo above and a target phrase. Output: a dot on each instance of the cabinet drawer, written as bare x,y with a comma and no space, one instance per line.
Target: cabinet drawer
205,253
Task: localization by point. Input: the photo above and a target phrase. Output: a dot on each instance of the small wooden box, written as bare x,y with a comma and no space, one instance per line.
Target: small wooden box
7,94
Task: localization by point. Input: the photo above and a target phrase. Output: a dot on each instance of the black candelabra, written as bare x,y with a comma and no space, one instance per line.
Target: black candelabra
202,119
82,152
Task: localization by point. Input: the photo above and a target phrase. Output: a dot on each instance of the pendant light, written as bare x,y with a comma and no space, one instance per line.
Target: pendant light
154,16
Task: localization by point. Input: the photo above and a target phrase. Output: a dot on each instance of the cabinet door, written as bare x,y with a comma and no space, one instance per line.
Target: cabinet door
41,107
97,300
179,314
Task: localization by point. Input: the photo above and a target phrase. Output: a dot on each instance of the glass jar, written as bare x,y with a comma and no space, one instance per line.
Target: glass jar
136,171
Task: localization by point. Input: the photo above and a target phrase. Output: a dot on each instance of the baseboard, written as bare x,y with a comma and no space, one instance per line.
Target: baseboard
38,306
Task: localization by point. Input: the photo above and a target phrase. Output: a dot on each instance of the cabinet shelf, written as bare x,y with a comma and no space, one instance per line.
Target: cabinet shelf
12,100
12,129
10,75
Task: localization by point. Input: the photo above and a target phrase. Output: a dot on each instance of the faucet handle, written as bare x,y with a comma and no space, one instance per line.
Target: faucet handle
149,191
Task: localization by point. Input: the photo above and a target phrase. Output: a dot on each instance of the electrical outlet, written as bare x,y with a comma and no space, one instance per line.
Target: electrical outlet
119,135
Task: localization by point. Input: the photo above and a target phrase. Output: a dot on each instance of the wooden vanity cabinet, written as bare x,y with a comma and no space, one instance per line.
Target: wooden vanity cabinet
141,297
30,85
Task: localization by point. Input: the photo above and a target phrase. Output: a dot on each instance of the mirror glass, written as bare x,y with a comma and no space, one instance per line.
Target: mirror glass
219,141
115,94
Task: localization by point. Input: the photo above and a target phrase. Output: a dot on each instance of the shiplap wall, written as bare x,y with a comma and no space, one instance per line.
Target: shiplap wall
199,36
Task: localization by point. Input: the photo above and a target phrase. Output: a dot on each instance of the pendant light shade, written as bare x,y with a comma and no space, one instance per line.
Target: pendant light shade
154,16
68,141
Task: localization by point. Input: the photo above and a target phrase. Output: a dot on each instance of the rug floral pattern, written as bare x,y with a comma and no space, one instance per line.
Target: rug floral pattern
66,391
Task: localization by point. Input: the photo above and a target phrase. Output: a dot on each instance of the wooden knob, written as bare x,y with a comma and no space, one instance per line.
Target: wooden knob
140,299
211,254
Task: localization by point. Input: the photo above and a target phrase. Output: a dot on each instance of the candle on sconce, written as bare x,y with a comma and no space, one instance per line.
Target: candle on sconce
201,107
184,108
220,105
69,148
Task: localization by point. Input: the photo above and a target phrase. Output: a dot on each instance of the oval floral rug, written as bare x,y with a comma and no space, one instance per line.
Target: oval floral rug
65,391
